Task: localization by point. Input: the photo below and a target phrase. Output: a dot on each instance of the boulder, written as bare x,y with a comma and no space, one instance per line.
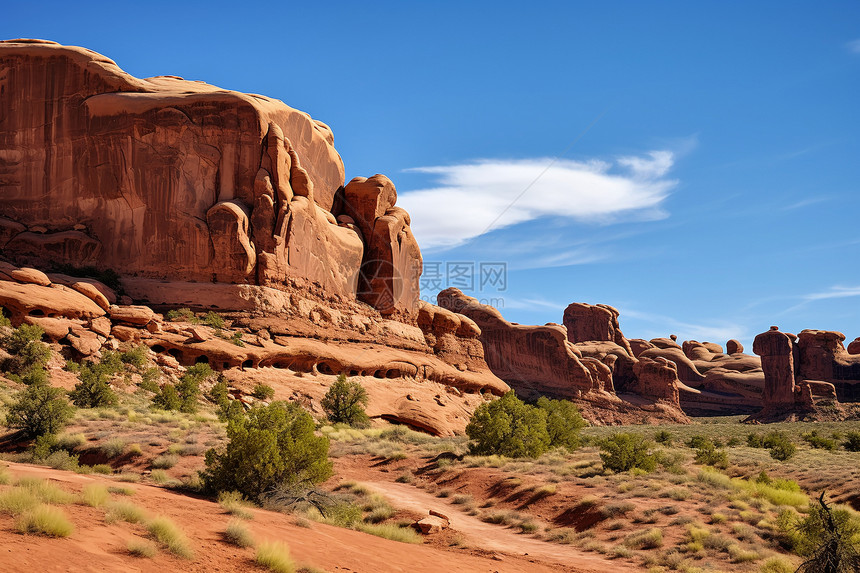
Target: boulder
132,314
734,347
54,301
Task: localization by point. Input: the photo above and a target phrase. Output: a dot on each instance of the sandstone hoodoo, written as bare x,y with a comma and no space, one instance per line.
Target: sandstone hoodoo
183,194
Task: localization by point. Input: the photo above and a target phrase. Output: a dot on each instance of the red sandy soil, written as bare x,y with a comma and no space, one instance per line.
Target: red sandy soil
97,546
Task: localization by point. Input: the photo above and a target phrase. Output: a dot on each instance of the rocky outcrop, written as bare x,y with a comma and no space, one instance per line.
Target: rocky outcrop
534,360
179,180
391,266
542,360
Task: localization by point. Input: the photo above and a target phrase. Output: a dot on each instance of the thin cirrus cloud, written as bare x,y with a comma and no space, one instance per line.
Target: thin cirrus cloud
471,199
854,46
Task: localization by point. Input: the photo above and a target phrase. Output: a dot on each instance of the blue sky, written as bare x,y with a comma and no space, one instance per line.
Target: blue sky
693,164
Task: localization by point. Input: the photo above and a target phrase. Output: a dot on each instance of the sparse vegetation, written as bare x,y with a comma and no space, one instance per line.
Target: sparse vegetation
623,452
165,532
38,410
238,534
263,392
344,403
275,556
44,520
274,445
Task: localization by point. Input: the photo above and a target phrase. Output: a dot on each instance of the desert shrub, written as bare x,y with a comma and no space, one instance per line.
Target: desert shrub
828,538
70,442
167,398
263,392
238,534
645,539
390,531
275,556
124,511
181,315
93,390
508,427
39,409
272,446
345,402
777,564
852,442
622,452
780,445
149,380
165,461
782,448
188,386
44,520
4,320
114,447
219,394
698,441
62,460
28,351
214,320
663,437
563,423
164,531
709,455
234,504
819,442
135,356
95,494
140,548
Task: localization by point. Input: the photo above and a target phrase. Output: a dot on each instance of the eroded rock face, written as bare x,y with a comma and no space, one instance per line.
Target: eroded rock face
777,359
534,360
589,323
169,179
391,267
542,360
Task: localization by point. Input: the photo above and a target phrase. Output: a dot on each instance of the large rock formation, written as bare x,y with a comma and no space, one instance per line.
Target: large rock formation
807,376
183,181
544,361
195,196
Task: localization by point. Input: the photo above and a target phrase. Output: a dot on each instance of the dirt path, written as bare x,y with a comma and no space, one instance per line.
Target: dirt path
495,537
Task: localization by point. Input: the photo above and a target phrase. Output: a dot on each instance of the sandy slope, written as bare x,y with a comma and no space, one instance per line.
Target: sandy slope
96,546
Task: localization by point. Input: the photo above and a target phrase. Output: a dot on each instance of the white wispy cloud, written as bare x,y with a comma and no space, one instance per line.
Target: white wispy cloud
476,197
833,292
853,46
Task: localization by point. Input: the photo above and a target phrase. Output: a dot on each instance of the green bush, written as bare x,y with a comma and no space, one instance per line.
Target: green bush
219,393
508,427
39,409
819,442
708,454
28,351
829,539
93,390
780,445
167,398
563,423
622,452
181,315
782,449
136,356
852,442
272,446
263,392
345,402
663,437
188,387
